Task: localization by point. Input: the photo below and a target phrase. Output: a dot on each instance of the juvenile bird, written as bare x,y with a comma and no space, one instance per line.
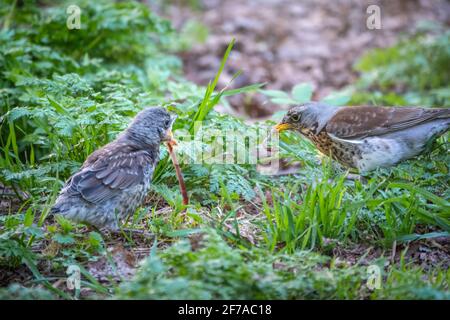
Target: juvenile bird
366,137
114,179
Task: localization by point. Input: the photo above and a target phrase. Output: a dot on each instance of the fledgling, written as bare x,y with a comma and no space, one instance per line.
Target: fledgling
114,179
366,137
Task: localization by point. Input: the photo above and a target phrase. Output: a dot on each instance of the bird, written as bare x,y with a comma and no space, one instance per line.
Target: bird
367,137
114,180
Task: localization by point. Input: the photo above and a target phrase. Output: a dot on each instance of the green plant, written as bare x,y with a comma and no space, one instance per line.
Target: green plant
303,219
214,270
302,93
413,72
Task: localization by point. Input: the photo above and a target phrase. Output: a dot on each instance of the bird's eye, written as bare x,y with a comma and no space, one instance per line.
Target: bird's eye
295,117
167,123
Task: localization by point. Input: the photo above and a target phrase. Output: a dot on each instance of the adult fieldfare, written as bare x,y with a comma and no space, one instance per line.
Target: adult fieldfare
366,137
114,179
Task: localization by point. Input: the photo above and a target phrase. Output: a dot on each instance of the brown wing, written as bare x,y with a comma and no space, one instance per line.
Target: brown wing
108,171
363,121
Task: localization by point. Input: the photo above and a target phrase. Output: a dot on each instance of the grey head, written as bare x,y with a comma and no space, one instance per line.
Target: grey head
308,117
150,127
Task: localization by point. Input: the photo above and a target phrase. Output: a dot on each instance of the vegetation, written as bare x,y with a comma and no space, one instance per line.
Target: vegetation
245,235
409,73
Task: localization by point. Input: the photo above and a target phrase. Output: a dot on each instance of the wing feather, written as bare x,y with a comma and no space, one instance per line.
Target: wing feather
364,121
110,172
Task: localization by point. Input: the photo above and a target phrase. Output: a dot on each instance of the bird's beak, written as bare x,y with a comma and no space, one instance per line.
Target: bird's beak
169,134
282,126
173,117
171,141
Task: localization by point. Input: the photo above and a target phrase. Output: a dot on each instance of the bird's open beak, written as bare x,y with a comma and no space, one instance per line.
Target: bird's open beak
282,126
170,139
173,117
169,133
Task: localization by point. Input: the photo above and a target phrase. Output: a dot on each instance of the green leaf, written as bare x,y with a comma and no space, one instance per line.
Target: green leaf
95,239
275,94
277,116
182,232
58,107
337,98
428,195
63,239
249,88
66,225
35,232
29,218
415,236
283,101
207,104
302,92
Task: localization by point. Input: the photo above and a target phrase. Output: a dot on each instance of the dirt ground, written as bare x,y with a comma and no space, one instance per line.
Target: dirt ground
285,42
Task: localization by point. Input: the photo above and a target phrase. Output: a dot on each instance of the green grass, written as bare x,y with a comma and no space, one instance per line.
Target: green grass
302,219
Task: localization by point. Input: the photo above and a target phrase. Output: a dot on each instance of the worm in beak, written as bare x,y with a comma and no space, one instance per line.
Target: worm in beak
170,140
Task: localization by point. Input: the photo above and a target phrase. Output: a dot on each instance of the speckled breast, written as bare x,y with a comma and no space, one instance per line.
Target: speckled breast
344,153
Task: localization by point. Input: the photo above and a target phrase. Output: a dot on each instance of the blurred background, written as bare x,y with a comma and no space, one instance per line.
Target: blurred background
287,42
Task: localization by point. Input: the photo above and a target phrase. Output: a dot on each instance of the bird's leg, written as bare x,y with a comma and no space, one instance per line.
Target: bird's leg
353,175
